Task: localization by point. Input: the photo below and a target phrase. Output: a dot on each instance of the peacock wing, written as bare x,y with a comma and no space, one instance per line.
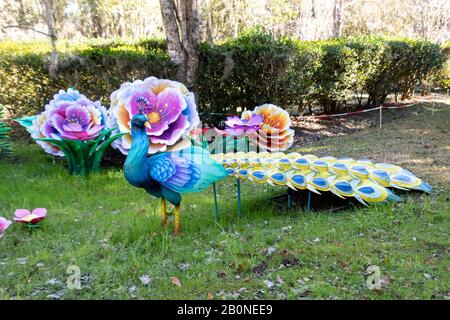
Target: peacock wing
187,170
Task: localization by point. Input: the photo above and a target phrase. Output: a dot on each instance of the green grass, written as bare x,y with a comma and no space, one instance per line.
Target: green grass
112,231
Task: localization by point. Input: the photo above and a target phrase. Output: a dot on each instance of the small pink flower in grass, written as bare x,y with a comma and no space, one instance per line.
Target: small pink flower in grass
4,224
32,218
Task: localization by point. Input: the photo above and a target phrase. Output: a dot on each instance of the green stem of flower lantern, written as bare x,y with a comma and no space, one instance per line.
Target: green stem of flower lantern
84,157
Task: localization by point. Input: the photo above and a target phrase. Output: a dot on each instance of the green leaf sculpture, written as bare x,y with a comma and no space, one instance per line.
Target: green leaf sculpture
74,127
84,157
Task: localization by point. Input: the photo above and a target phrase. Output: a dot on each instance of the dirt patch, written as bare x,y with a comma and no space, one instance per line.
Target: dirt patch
260,268
309,130
289,259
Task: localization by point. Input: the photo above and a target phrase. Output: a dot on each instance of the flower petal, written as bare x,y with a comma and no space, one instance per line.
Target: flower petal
4,224
255,120
234,132
21,213
170,104
173,132
40,212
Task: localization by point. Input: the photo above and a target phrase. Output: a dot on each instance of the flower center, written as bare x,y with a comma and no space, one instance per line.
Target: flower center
153,117
74,119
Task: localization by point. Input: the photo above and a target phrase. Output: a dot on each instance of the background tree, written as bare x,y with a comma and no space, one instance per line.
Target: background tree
223,19
181,21
32,16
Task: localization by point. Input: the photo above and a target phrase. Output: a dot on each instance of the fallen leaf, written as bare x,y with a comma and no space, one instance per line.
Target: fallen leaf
175,281
210,296
269,284
54,282
56,295
221,274
145,279
384,282
183,266
280,279
132,289
270,251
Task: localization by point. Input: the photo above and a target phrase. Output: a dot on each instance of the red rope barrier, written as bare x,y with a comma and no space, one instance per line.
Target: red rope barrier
352,113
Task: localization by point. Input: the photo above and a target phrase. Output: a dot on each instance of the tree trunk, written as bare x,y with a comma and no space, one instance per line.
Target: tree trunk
181,21
337,18
96,18
234,20
209,24
49,17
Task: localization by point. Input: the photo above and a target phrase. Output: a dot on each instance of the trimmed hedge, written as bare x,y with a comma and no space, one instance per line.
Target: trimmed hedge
5,147
95,71
245,72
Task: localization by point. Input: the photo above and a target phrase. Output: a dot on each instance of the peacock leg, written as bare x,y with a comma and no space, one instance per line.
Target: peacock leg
164,212
177,221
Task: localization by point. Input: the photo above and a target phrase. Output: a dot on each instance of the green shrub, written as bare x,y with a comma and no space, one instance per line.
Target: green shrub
333,80
95,71
241,73
404,64
439,78
5,147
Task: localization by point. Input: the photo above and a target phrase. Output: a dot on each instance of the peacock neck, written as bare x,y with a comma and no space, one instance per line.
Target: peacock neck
138,151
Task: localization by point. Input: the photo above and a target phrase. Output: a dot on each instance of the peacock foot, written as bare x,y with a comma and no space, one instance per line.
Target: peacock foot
177,221
163,213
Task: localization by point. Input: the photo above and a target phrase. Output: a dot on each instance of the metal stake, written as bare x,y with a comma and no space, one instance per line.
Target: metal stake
381,115
289,205
308,209
238,197
215,202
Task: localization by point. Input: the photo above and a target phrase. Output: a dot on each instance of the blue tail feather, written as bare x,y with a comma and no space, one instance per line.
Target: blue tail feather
425,187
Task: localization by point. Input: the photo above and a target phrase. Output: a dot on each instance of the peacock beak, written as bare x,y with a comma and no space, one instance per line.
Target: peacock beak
147,124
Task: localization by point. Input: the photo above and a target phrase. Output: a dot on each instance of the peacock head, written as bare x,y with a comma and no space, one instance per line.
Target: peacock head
140,121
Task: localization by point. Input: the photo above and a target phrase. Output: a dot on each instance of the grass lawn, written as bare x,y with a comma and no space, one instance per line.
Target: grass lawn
112,231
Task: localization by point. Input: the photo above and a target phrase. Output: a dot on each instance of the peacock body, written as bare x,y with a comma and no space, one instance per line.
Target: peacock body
364,180
167,175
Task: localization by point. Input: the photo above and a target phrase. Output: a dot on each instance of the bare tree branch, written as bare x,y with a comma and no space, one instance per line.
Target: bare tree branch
26,27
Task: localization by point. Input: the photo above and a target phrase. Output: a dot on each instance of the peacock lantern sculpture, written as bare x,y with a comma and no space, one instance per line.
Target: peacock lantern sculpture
154,115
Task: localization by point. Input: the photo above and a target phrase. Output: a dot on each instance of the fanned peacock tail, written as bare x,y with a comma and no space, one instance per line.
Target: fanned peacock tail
364,180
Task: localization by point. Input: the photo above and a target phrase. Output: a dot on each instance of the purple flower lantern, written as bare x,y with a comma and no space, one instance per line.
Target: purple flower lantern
74,127
169,106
